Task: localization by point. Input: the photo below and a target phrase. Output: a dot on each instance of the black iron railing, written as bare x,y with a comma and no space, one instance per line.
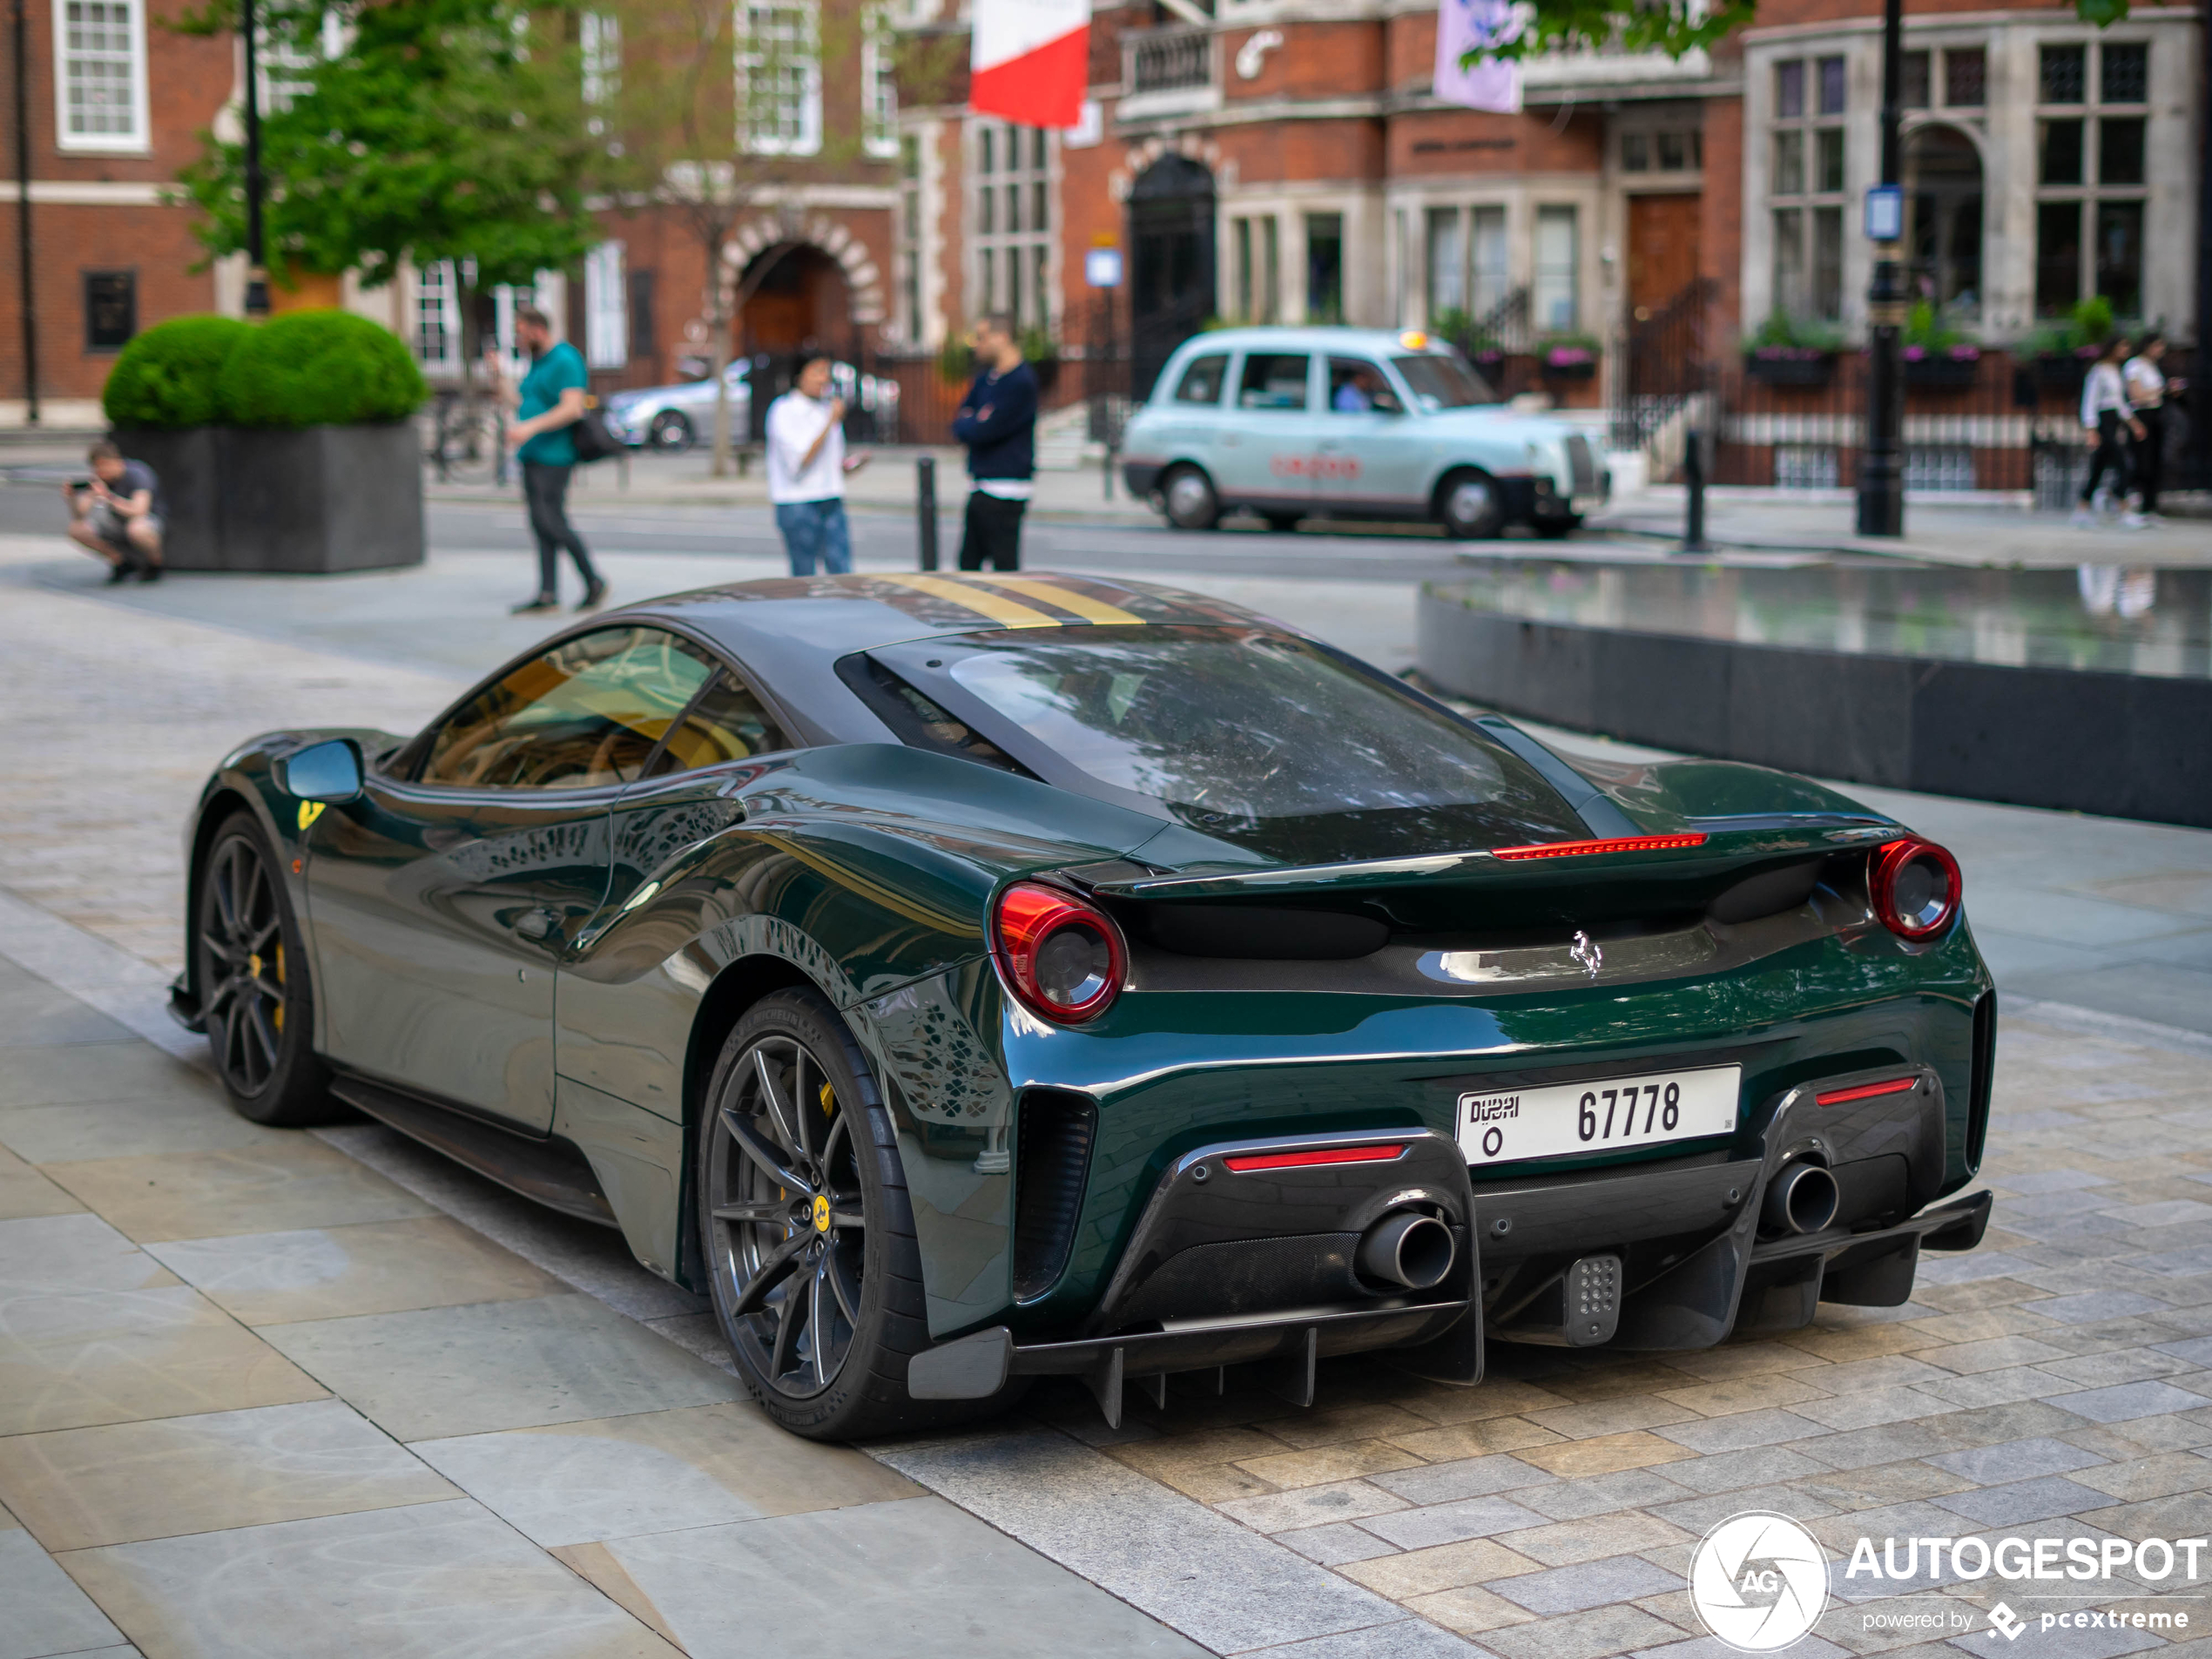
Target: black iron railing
1665,362
1170,60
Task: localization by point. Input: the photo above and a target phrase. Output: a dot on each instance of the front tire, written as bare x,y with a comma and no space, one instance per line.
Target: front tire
670,434
1468,507
251,965
806,1229
1190,502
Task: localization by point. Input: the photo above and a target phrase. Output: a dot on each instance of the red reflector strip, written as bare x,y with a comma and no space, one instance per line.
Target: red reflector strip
1583,849
1866,1091
1305,1160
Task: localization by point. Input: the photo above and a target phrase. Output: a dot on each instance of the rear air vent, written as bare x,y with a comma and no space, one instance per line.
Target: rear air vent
1052,1148
1257,933
1768,894
1978,1082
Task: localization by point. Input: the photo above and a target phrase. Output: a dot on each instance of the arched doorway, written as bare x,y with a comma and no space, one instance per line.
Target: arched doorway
794,299
1171,263
1943,197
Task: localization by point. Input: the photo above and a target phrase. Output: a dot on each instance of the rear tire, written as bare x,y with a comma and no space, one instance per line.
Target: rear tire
670,434
251,966
816,1276
1468,506
1190,502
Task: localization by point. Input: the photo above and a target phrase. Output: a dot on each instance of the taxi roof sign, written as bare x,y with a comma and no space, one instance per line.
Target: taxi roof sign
1414,339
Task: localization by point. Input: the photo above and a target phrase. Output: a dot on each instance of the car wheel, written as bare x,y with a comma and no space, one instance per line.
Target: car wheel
252,968
806,1229
1192,503
1553,530
1468,505
671,433
1283,523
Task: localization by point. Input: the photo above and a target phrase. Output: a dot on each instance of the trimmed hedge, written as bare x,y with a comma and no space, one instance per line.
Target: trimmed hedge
305,368
319,368
166,376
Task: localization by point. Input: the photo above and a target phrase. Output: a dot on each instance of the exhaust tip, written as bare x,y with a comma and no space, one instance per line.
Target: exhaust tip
1407,1249
1802,1199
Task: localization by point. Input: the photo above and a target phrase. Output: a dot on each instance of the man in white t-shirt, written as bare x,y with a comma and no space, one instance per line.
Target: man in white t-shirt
806,469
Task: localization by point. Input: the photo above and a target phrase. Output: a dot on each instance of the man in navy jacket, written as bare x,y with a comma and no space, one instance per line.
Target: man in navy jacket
998,422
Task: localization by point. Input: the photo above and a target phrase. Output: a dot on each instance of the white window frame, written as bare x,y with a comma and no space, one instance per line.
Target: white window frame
805,56
879,85
1543,274
599,43
446,296
1033,248
606,308
139,139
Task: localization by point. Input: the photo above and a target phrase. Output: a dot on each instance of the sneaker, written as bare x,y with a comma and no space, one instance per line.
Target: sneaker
593,596
118,573
532,607
149,573
2134,520
2084,519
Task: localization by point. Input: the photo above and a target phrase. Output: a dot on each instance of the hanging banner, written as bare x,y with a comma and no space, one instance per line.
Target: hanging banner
1464,26
1030,60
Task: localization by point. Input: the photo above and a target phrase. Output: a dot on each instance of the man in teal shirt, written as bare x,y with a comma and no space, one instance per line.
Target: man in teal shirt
549,402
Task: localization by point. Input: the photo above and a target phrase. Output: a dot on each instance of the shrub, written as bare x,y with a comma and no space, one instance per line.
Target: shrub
166,376
319,368
1784,336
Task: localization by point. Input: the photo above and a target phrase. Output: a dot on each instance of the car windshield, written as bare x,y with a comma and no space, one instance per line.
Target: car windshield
1245,732
1442,383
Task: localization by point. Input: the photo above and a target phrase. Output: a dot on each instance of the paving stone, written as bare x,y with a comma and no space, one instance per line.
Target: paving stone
2162,1476
1712,1647
1734,1434
1406,1574
104,1071
2021,1502
46,1613
1565,1542
1887,1443
1476,1477
1604,1494
1614,1415
1697,1516
1738,1395
1996,1354
262,1188
1475,1438
1325,1464
1335,1543
72,1252
1409,1638
2049,1181
1581,1636
1871,1408
2130,1401
1995,1387
1756,1466
1447,1523
2120,1366
1589,1584
2197,1350
1605,1454
25,1193
1309,1505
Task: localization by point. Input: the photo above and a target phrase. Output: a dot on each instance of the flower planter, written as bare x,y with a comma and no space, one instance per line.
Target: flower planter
1582,371
1806,370
1942,373
324,499
2062,372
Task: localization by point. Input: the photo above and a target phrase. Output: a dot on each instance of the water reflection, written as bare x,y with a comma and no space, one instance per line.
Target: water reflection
2105,618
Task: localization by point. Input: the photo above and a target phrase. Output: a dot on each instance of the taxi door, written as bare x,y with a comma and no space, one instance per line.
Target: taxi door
1270,442
1370,454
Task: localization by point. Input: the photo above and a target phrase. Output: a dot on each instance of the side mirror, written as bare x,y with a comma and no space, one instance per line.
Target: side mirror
328,772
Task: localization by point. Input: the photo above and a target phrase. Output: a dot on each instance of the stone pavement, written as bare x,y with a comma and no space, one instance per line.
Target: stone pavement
274,1393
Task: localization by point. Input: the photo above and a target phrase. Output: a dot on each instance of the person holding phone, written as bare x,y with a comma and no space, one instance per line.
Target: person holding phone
806,469
548,401
116,514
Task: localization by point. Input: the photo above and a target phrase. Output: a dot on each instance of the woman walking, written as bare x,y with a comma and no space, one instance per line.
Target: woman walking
2144,381
2107,424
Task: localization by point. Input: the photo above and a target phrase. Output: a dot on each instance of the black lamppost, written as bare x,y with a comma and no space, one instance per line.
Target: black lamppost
2200,388
257,270
1881,466
28,311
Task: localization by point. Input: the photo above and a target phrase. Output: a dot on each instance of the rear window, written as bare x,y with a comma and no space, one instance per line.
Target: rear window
1248,734
1442,383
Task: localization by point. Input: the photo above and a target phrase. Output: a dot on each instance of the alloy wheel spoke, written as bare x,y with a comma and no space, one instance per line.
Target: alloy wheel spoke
837,1134
771,1212
265,1035
787,1321
847,1218
224,887
773,1270
843,1285
772,1096
817,1327
762,1154
802,1105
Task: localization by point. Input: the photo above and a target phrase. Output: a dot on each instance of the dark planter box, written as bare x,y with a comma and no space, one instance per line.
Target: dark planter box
2061,372
1570,371
328,498
1790,371
188,464
1941,374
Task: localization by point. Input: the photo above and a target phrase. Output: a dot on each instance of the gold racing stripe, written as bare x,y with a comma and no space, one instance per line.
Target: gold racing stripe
982,601
1081,604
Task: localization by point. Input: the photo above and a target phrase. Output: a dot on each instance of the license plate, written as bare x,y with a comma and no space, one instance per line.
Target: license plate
1603,1115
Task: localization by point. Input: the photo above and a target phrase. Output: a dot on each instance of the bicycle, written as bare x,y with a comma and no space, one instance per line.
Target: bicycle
467,438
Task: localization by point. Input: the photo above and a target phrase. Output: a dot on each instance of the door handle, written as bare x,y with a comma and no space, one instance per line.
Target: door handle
538,926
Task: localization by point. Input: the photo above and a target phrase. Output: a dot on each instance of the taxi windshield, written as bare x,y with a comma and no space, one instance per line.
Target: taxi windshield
1237,728
1442,383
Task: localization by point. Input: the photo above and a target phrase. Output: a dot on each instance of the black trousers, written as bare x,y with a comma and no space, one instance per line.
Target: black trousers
545,492
2150,456
2109,457
992,533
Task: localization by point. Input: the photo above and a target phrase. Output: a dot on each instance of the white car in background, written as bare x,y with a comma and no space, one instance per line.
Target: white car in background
671,419
1329,422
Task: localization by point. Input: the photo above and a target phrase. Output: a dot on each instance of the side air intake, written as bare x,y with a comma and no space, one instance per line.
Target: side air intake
1052,1152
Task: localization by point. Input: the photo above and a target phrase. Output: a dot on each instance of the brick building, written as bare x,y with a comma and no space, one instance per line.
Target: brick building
1284,159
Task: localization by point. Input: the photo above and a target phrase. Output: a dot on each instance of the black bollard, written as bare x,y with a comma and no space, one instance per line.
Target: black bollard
1693,475
925,508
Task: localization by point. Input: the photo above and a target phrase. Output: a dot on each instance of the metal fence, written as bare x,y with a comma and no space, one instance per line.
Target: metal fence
1170,60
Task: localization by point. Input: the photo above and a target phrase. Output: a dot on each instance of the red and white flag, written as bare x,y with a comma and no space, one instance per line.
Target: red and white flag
1029,61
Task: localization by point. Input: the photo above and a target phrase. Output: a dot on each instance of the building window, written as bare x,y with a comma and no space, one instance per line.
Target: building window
437,317
1913,82
879,84
1487,246
645,344
1669,150
1807,185
606,312
1965,77
1324,267
909,234
599,45
1255,245
1558,256
1013,221
1447,263
2090,175
111,309
101,75
779,79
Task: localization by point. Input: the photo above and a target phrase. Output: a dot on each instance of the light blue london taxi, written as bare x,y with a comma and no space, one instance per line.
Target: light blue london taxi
1330,422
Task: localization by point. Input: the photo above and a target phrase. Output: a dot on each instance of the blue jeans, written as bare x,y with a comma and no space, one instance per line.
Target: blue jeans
813,530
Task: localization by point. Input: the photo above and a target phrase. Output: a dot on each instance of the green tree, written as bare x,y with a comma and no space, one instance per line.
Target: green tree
1669,26
410,130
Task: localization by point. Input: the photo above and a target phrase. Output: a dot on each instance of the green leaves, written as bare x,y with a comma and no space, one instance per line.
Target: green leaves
444,129
1669,26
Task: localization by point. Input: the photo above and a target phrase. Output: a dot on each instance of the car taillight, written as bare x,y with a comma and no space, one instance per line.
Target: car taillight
1915,887
1063,956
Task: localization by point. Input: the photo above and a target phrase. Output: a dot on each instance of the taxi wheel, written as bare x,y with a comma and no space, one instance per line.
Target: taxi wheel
1468,505
1192,503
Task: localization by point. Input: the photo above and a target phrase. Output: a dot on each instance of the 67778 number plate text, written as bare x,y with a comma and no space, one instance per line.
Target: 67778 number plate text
1600,1115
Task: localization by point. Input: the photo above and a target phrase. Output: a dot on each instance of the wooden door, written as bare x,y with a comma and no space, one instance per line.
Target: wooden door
1662,249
